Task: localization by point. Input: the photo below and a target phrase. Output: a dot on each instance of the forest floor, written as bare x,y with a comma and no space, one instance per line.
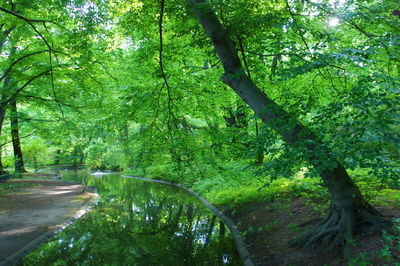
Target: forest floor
31,208
270,226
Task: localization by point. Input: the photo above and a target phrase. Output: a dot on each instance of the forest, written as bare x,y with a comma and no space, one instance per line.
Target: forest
283,114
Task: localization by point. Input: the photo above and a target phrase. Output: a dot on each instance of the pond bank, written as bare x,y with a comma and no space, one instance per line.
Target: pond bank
32,215
240,245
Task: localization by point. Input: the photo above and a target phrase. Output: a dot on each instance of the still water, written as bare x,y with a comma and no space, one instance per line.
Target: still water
139,223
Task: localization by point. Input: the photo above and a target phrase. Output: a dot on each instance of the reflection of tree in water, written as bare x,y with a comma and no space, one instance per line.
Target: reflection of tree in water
141,223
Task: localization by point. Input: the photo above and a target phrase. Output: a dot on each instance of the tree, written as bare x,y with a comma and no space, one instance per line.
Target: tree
36,151
3,38
133,85
44,47
18,157
348,207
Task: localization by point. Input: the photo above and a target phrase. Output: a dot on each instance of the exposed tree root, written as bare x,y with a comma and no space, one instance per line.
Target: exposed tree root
339,226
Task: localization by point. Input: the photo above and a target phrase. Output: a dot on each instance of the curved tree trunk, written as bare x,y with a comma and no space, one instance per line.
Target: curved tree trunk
18,158
348,207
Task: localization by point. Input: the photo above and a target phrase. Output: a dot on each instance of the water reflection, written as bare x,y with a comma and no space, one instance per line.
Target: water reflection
141,223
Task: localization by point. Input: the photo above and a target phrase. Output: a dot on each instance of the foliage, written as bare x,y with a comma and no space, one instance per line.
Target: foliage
113,95
37,152
110,108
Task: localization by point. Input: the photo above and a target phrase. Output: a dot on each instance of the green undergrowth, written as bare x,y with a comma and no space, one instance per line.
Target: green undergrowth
237,182
387,251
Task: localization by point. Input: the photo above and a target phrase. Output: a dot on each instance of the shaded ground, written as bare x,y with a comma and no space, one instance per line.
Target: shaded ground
30,212
270,226
33,175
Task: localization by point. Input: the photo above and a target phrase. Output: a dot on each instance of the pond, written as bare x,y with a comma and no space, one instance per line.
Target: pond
139,223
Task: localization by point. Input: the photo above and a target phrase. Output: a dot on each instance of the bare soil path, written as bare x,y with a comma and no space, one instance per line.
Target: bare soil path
32,212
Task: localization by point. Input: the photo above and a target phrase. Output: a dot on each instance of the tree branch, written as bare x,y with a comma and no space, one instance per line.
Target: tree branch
49,100
170,103
275,54
20,17
28,19
15,94
18,60
5,143
5,34
161,57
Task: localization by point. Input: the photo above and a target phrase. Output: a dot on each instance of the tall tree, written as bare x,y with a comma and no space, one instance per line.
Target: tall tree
348,208
18,156
3,38
3,109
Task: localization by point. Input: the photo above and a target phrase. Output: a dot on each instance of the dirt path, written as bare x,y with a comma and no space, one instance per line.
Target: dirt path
32,212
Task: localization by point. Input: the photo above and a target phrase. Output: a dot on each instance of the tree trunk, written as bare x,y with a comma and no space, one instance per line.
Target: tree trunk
210,230
3,105
35,163
260,148
124,137
58,155
18,158
221,229
348,207
2,115
82,158
75,156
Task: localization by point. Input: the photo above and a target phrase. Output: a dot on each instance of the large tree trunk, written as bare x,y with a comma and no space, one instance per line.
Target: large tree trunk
348,207
18,158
